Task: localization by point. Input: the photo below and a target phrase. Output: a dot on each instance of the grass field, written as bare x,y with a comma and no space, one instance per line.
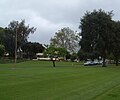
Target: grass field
38,80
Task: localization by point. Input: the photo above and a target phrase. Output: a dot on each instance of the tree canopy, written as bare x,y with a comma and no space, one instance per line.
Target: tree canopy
65,38
22,31
55,51
96,31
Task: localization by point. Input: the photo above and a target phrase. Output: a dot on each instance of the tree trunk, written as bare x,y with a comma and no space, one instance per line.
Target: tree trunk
104,63
117,60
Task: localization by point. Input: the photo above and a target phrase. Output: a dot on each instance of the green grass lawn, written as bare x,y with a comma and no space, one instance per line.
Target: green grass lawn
38,80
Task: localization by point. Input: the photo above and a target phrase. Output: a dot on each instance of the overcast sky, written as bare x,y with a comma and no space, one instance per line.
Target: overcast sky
49,16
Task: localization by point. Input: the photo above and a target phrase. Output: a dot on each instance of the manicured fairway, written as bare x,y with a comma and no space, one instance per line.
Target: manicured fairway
38,80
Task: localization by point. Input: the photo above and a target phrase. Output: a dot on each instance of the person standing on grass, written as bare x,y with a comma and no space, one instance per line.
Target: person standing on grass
53,59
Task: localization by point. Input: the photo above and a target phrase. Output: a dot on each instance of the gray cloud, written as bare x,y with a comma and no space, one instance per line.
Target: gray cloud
51,15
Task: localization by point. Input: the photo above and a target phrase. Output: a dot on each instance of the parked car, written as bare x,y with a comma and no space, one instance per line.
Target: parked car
95,62
88,63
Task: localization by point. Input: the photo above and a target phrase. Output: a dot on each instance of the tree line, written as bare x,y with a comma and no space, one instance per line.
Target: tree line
24,48
99,37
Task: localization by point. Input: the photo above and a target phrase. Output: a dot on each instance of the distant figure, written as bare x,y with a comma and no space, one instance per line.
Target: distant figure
53,60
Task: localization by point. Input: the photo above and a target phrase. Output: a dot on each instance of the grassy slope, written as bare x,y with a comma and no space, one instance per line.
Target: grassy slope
40,81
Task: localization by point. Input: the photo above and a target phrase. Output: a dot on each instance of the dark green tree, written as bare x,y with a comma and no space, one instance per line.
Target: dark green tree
2,35
96,31
115,45
2,50
22,31
6,40
32,48
74,56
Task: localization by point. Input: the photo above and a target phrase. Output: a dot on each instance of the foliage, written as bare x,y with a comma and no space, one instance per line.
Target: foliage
82,55
32,48
96,31
6,60
2,36
68,55
88,55
22,31
3,41
65,38
116,42
74,56
2,50
55,51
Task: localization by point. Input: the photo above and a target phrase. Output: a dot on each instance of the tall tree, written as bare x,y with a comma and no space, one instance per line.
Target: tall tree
115,45
65,38
22,31
96,31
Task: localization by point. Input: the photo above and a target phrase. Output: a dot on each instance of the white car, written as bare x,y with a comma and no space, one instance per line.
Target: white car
95,62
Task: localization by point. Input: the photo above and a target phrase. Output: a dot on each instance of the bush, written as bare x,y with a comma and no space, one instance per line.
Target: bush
2,50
